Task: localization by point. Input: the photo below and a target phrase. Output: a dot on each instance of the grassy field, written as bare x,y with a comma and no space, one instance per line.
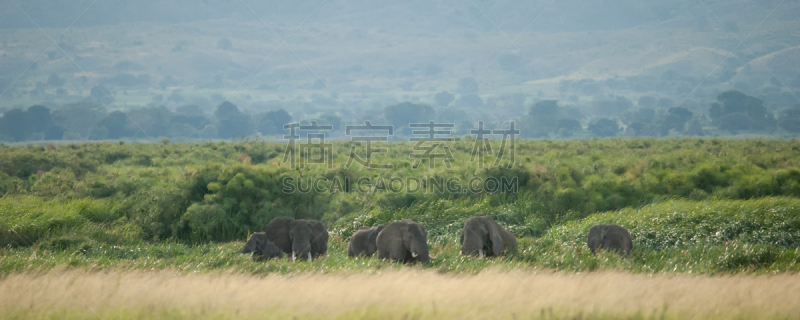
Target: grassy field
145,222
692,205
710,237
412,293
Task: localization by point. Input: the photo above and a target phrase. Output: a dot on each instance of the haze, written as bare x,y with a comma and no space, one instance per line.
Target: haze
559,69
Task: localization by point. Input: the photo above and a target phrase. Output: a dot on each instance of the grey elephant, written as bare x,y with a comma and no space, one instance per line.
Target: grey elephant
364,242
609,237
261,248
301,239
484,237
405,241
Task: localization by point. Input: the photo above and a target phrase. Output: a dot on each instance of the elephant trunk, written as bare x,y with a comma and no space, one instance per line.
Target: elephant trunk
472,244
419,249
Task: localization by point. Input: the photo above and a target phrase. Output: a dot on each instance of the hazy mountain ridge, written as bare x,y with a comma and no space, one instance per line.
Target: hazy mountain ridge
357,57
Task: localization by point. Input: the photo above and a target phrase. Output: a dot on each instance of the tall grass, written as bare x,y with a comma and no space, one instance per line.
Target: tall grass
691,204
709,237
394,294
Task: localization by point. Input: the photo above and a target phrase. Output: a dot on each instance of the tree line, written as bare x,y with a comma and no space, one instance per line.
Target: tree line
89,120
733,112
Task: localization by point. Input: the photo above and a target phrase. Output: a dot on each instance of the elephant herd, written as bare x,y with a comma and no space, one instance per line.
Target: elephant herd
404,240
302,239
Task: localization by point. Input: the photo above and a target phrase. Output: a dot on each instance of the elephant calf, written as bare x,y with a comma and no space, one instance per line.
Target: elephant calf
483,236
302,239
610,237
405,241
261,248
364,242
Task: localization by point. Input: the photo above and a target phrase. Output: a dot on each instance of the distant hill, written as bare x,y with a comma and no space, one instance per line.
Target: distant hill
359,55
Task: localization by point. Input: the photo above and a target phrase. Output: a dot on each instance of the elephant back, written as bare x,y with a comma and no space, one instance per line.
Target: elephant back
373,235
364,241
609,237
319,237
391,244
278,232
483,235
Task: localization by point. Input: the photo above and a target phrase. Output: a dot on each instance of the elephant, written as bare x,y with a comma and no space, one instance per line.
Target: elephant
261,248
610,237
405,241
302,239
484,237
364,242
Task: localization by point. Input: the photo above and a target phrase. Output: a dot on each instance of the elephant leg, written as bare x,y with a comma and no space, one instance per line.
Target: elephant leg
399,255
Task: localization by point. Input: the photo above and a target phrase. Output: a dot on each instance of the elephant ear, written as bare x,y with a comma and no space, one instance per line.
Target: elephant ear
495,236
405,234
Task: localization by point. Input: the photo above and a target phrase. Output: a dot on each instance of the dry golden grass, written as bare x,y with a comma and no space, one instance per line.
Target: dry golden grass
410,293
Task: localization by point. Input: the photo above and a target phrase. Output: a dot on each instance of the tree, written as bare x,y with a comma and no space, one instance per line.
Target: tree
735,122
150,121
603,127
675,119
790,119
226,109
79,117
756,116
195,121
544,116
54,133
695,128
14,124
444,98
272,122
636,129
570,125
231,122
403,114
183,130
544,108
39,118
116,124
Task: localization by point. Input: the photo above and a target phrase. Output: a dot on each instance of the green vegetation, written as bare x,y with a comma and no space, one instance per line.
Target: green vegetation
692,205
733,113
